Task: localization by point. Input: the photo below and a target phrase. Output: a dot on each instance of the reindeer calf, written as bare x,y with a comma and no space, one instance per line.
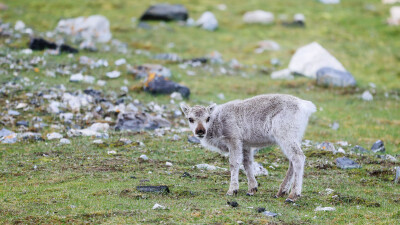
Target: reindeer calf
237,127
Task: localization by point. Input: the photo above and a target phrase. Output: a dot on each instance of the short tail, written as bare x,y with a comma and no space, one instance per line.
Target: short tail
308,107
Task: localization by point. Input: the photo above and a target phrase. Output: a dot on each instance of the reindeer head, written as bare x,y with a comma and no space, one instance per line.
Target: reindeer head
199,118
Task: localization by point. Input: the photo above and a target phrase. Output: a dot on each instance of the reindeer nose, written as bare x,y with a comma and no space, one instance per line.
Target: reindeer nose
200,132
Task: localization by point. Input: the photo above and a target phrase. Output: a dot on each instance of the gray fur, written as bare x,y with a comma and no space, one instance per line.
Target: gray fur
237,127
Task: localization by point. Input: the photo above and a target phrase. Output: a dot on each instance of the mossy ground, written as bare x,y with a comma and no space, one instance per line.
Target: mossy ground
81,183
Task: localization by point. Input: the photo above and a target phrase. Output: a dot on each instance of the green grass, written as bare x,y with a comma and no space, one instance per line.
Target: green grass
98,186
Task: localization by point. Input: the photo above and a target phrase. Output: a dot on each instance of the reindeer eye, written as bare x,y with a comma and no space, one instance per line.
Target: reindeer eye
191,120
208,119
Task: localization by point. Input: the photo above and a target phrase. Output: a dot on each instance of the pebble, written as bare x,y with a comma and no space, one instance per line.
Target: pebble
176,137
327,146
335,126
207,21
54,135
111,152
367,96
158,206
13,113
234,204
23,123
65,141
168,164
98,141
359,149
120,62
268,213
113,74
319,208
346,163
144,157
193,139
378,147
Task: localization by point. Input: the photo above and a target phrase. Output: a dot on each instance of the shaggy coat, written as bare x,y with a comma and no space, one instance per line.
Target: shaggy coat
239,126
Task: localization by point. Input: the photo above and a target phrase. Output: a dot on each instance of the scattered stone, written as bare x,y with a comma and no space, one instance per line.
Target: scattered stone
207,21
260,209
346,163
397,177
176,137
165,12
343,143
7,136
332,77
120,62
341,150
282,74
23,123
40,44
112,152
76,77
98,142
65,141
144,70
298,21
390,1
387,157
233,204
267,45
367,96
268,213
139,121
160,85
19,25
176,96
113,74
93,28
54,135
359,149
125,141
158,206
186,174
319,208
21,105
144,157
327,146
193,139
378,147
258,16
329,1
13,113
335,126
168,164
310,58
394,19
172,57
208,167
30,136
155,189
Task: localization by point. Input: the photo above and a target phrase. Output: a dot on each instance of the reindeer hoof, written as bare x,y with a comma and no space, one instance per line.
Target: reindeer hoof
288,200
252,191
230,193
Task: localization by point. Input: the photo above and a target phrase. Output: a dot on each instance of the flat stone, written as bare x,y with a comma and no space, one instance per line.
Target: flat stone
327,146
367,96
332,77
13,113
346,163
54,135
258,16
319,208
359,149
378,147
65,141
193,139
23,123
4,132
270,214
139,121
165,12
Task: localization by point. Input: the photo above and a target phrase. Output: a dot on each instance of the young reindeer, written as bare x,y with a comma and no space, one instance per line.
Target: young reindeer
237,127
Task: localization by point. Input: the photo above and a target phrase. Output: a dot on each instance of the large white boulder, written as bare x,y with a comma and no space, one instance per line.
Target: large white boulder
310,58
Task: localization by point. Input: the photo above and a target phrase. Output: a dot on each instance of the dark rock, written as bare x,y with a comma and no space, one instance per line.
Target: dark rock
233,204
294,24
359,149
29,136
165,12
23,123
260,210
201,60
161,85
186,174
346,163
132,177
139,121
332,77
154,189
193,139
40,44
378,147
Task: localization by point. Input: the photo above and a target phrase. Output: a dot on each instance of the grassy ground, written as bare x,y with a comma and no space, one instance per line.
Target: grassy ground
81,183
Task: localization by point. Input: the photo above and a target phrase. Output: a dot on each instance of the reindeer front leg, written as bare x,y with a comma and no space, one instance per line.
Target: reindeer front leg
235,160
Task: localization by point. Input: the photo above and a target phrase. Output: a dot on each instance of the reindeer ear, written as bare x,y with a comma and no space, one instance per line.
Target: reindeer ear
211,107
185,108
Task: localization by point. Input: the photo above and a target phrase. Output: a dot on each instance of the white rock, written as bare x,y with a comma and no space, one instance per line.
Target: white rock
221,96
66,116
341,150
176,137
319,208
76,77
99,127
343,143
208,167
168,164
299,17
329,191
207,21
158,206
65,141
176,96
144,157
267,45
113,74
282,74
98,141
19,25
258,16
88,79
111,152
120,62
367,96
221,7
330,1
27,51
21,105
394,16
54,135
101,83
92,28
390,1
310,58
